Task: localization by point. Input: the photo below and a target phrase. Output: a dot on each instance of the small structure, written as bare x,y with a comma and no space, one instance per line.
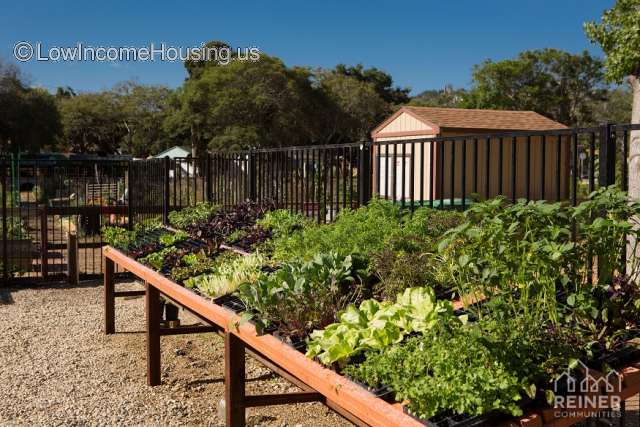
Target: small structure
183,155
487,163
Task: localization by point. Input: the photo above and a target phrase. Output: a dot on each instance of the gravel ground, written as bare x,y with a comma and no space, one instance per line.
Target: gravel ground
58,368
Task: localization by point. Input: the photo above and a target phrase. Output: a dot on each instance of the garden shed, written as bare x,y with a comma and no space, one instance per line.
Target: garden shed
412,149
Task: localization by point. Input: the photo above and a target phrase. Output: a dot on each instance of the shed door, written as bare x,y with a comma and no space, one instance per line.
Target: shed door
394,175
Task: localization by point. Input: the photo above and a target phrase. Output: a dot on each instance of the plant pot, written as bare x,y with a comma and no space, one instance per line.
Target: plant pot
19,254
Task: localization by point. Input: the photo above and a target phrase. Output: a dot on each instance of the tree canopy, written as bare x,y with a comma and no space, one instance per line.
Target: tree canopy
555,83
29,118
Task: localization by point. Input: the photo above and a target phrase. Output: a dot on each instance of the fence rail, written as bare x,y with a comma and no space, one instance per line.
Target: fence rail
44,200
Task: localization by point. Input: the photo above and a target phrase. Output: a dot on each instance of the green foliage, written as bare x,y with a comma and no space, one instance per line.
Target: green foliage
302,296
118,237
618,34
170,238
192,215
29,119
551,82
194,264
470,369
376,325
381,82
361,231
229,275
156,259
449,97
524,247
282,222
16,229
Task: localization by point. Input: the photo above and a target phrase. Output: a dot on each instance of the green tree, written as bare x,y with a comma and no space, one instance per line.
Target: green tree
144,109
449,97
29,119
382,82
619,36
245,104
92,122
352,107
551,82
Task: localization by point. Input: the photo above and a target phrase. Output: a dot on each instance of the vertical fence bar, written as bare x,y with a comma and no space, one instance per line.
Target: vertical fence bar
558,166
5,255
607,175
412,175
514,159
432,176
130,195
528,166
453,173
422,173
165,193
543,164
404,173
464,174
500,166
364,173
574,169
475,165
592,163
441,169
487,161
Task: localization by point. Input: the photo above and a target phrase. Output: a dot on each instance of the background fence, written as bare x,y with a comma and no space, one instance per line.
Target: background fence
44,200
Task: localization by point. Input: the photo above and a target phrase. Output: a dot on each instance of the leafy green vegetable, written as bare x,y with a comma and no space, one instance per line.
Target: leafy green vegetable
471,369
229,275
170,239
302,296
192,215
194,264
118,237
376,325
156,259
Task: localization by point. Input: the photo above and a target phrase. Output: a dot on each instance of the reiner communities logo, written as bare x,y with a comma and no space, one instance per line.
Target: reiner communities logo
583,392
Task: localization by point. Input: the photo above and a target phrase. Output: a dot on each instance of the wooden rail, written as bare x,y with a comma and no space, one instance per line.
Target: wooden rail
317,382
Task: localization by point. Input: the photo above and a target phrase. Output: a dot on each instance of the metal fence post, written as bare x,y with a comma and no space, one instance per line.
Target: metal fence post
165,190
5,257
607,175
253,179
208,179
130,196
364,174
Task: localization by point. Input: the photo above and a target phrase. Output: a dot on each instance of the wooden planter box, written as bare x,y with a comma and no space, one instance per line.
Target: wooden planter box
339,393
19,253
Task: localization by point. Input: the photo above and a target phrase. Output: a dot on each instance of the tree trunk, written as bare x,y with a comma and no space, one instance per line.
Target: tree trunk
634,170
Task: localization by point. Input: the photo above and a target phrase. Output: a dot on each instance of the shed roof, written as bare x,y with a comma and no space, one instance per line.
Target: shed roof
466,118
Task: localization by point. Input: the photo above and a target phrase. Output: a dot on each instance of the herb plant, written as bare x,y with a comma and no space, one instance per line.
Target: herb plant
192,215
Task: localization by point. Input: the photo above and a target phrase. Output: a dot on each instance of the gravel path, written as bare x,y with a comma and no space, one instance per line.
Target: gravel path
58,368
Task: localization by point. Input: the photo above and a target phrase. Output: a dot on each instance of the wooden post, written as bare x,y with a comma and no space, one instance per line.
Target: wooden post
152,309
109,298
72,258
234,379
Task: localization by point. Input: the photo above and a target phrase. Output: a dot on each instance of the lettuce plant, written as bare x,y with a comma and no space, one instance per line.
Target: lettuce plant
376,325
229,275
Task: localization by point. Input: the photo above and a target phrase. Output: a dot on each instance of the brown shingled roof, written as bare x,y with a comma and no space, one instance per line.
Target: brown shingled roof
463,118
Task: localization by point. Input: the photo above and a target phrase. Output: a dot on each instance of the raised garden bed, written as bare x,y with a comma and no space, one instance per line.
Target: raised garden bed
366,301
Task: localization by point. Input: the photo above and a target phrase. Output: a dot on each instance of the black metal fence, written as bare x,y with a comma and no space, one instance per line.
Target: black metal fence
43,200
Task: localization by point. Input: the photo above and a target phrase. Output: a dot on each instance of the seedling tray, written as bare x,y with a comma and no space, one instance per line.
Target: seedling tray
460,420
231,302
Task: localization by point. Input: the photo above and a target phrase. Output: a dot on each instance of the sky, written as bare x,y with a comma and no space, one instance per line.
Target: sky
422,44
